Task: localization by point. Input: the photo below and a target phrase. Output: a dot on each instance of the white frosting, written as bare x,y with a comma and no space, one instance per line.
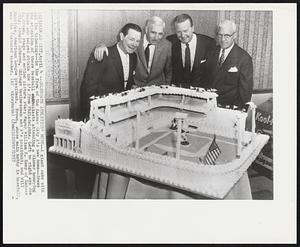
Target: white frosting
105,139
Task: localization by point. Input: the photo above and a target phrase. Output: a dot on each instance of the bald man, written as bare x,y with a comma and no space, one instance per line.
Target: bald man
229,68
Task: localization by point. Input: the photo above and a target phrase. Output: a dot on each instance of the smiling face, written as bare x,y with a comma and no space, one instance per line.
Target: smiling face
130,41
226,35
184,31
154,33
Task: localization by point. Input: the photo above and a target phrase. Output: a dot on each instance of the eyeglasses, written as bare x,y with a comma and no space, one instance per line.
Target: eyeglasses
226,36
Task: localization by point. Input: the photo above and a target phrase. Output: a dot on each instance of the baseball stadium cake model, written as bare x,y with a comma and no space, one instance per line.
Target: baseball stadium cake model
171,135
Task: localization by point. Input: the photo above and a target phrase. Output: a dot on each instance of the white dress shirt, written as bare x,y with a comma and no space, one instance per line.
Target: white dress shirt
151,52
125,64
227,50
192,45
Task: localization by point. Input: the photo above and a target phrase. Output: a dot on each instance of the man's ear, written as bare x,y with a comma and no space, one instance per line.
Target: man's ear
121,36
193,28
235,35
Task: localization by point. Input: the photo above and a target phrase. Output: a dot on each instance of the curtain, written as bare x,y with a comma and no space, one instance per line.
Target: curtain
255,35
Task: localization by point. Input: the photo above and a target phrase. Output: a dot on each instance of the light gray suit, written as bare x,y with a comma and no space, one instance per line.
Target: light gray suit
161,68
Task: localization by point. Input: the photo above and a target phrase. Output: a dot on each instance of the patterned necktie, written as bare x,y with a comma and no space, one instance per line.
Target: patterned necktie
147,54
187,62
222,58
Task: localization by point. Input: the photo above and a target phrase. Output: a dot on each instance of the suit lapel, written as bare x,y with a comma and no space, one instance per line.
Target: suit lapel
216,59
156,55
219,72
117,62
197,52
141,54
229,58
131,65
177,54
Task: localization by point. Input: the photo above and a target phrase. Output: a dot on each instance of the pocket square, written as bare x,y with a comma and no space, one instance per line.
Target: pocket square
233,69
133,72
203,61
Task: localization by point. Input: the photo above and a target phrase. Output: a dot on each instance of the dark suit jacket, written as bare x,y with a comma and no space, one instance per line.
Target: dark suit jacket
204,44
161,68
101,78
234,79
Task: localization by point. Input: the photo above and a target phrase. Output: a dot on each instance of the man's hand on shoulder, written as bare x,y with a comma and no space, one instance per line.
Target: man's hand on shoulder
99,52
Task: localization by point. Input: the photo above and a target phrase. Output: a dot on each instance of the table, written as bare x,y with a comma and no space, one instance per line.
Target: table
111,185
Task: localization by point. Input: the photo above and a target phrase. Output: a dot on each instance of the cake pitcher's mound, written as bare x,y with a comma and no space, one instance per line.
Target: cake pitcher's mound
184,143
197,144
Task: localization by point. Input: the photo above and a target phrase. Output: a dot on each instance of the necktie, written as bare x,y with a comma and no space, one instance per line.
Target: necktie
187,62
147,53
222,58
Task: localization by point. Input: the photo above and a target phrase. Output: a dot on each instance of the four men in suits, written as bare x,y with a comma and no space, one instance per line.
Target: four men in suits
196,60
229,68
115,73
154,64
184,59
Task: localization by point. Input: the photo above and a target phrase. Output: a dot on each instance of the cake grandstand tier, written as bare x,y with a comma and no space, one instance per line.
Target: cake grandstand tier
164,134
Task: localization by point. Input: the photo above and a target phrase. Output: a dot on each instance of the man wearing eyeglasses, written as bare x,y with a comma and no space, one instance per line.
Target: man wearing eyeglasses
229,68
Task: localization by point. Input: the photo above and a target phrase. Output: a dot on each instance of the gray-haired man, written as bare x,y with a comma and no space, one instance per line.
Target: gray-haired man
154,64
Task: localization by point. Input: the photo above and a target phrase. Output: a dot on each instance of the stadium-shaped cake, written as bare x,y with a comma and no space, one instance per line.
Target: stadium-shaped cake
170,135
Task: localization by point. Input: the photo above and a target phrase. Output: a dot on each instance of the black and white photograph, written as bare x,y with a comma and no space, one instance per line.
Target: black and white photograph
208,71
133,110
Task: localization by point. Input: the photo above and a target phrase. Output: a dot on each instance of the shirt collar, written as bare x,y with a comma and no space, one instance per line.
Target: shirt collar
121,51
227,50
192,41
146,42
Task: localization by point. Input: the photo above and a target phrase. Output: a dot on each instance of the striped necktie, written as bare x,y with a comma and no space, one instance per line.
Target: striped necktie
147,54
222,58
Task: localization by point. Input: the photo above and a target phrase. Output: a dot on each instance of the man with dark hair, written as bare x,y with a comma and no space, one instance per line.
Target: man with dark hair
115,73
154,65
229,68
189,53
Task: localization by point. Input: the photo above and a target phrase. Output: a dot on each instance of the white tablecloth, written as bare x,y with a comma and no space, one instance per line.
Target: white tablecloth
115,186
